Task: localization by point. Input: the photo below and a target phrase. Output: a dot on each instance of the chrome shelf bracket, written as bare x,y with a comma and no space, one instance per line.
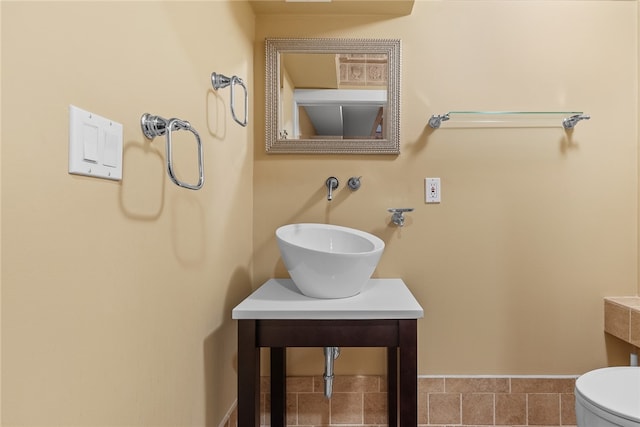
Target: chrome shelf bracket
570,122
398,215
436,120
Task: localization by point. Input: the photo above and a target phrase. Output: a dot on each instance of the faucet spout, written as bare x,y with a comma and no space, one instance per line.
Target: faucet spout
331,183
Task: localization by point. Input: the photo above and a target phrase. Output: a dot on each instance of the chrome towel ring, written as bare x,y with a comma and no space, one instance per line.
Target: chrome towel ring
219,81
153,126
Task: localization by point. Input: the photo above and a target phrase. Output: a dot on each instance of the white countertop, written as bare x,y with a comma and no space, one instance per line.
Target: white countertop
281,299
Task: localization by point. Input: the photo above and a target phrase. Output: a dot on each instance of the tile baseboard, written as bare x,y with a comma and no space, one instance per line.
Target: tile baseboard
442,400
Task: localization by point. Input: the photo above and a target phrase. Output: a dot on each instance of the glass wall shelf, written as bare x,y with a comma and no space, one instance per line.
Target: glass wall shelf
502,119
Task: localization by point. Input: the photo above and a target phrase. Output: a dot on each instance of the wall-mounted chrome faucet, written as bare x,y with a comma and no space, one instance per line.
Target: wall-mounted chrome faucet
331,183
398,215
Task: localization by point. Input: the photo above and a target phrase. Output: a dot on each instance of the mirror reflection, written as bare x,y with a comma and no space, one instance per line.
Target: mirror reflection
332,96
327,95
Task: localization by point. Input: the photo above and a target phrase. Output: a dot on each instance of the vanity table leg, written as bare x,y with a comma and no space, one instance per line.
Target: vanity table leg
392,386
408,372
278,387
248,375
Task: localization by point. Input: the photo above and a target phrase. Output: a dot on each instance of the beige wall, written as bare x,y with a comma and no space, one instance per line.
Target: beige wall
535,226
117,296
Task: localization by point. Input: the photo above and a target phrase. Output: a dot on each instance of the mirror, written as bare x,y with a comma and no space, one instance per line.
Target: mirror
333,96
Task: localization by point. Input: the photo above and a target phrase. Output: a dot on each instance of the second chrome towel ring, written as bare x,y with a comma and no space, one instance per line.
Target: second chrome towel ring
153,126
219,81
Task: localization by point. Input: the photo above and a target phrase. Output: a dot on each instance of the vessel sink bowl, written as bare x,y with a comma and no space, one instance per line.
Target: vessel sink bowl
328,261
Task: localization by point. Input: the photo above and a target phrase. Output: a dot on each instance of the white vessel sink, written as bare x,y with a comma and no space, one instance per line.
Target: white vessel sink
328,261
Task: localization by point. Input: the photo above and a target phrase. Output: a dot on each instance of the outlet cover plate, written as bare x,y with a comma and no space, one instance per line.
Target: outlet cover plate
432,190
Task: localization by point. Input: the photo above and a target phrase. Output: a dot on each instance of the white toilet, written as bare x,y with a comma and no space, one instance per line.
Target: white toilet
609,397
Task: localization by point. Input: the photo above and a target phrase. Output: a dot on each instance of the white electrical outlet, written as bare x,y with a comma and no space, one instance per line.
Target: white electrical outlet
432,190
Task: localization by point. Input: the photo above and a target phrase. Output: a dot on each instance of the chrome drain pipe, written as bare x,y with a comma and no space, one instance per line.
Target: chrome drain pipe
330,354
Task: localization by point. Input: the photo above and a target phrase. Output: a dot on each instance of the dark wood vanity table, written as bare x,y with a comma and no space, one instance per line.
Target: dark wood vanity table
278,316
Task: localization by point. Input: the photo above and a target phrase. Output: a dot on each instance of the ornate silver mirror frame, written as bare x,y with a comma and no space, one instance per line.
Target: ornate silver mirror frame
387,141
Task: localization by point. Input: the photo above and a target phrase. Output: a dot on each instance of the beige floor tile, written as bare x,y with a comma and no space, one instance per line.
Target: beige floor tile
511,409
299,384
568,409
313,409
543,409
375,408
431,385
477,385
542,385
356,384
477,408
346,408
444,408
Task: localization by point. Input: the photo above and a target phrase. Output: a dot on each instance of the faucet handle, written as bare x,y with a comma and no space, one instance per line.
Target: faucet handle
354,183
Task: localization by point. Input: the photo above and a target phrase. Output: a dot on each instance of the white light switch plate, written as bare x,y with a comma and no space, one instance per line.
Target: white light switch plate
95,145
